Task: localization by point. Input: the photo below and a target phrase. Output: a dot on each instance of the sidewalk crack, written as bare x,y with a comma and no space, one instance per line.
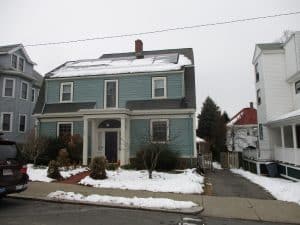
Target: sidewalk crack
252,206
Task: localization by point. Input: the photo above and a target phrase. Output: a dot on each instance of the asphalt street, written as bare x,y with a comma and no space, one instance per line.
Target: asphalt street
28,212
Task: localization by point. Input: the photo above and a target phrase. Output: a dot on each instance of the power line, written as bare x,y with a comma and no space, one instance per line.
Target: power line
166,30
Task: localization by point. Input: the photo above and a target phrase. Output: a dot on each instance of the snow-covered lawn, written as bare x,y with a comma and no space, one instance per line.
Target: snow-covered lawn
217,166
281,189
162,203
40,173
186,182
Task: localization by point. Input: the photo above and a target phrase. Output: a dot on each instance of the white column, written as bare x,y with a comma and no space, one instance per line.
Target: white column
123,142
85,142
295,143
283,145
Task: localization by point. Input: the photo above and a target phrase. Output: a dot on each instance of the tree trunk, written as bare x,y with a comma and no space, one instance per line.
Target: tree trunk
150,174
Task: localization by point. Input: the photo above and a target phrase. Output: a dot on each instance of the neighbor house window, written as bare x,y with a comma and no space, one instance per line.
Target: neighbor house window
6,121
159,130
33,95
288,136
64,129
261,132
22,123
14,61
21,64
24,90
258,97
111,94
256,72
297,87
8,88
159,87
298,135
66,92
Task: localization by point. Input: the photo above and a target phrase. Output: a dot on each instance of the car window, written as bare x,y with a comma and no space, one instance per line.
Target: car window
8,151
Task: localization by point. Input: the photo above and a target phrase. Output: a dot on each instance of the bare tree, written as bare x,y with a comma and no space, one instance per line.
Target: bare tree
34,146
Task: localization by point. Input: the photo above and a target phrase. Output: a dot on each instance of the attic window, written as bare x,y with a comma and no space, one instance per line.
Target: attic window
14,61
21,64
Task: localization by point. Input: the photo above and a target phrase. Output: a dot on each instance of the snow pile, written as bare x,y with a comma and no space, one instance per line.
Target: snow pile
281,189
117,66
162,203
187,182
40,173
217,166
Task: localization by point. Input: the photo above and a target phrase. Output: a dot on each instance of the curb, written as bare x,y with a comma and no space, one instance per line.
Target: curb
191,211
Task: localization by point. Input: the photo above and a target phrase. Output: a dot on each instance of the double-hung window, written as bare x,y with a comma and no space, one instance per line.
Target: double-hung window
32,95
22,123
258,96
66,92
24,90
297,87
8,87
159,130
6,121
64,129
14,61
111,94
256,72
159,87
21,64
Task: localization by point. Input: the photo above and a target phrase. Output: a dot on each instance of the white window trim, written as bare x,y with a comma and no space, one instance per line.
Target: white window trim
25,126
11,64
61,92
27,94
20,57
11,122
117,94
4,84
153,87
34,95
59,123
151,130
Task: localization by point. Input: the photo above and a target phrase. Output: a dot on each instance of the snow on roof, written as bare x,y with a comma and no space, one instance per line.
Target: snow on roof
199,140
286,116
150,63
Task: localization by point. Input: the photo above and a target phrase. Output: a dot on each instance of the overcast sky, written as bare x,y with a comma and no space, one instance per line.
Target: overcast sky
223,54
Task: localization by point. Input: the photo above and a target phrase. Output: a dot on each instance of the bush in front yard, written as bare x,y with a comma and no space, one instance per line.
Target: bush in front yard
167,160
75,146
98,167
63,158
112,166
53,170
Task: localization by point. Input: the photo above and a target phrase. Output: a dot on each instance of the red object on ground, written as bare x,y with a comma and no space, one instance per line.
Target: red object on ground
76,178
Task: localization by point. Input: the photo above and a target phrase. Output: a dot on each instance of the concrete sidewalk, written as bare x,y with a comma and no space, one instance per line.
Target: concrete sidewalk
225,207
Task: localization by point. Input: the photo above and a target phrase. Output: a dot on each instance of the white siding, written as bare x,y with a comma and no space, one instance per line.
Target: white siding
290,57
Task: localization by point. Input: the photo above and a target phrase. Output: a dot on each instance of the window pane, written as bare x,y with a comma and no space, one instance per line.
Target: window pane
32,95
6,122
297,86
159,88
66,92
21,64
22,123
298,135
261,134
24,90
159,131
14,61
9,87
288,137
111,94
258,97
65,130
66,96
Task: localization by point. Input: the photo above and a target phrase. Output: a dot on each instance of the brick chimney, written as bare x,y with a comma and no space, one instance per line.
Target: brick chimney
139,49
251,105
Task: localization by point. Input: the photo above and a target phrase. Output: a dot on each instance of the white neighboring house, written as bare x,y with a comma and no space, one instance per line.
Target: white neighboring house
242,130
277,72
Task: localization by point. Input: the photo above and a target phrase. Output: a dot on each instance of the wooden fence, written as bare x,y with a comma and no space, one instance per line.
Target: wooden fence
230,160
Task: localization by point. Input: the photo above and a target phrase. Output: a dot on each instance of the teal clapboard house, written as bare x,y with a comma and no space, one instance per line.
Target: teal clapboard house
120,101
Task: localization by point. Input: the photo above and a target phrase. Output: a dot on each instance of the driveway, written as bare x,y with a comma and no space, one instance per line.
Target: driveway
227,184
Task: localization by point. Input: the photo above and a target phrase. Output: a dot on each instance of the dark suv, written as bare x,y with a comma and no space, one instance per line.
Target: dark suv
13,171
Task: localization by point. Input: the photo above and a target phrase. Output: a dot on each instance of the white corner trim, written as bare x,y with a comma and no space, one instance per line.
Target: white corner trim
153,87
59,123
27,92
25,125
14,87
61,92
10,122
117,94
151,129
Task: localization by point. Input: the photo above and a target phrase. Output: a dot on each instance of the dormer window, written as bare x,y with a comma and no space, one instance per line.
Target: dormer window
14,61
159,87
66,92
21,64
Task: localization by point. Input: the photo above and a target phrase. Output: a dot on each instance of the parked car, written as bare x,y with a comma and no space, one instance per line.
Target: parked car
13,171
